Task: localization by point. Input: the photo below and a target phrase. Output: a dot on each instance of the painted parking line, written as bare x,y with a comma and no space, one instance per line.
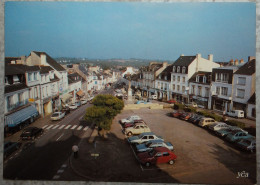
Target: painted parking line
62,126
80,127
86,128
56,177
74,127
49,127
55,126
67,127
45,126
60,171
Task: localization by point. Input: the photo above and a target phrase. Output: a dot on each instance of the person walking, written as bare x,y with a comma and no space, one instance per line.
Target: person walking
75,150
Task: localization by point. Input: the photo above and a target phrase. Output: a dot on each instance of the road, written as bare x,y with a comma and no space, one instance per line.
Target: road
47,157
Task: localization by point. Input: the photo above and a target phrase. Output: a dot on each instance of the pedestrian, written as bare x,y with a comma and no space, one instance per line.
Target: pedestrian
75,150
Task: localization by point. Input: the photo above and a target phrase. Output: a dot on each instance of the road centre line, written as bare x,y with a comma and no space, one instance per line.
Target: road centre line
67,127
60,137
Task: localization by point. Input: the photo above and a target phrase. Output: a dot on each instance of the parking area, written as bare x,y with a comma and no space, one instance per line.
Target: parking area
202,156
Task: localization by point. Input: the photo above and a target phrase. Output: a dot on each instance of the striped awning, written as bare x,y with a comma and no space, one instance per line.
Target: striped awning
20,116
80,93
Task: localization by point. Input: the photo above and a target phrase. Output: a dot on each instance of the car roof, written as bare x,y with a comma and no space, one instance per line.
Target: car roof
147,133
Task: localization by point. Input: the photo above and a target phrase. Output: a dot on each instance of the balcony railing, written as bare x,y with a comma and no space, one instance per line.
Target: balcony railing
17,105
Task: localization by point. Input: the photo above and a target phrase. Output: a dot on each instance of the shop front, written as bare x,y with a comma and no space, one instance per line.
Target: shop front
200,101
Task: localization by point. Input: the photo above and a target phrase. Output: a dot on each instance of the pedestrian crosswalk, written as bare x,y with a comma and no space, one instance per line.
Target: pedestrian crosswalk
66,127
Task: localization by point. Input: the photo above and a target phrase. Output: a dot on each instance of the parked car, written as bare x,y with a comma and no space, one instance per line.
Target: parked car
192,117
154,97
225,132
138,128
30,133
84,101
57,116
10,147
171,101
247,144
66,110
218,126
185,116
143,102
130,119
73,106
78,103
237,135
192,104
144,137
236,113
197,119
144,147
177,114
90,98
206,122
131,124
156,156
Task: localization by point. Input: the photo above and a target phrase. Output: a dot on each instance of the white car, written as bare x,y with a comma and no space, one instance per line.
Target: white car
236,113
73,106
57,116
130,119
218,126
83,101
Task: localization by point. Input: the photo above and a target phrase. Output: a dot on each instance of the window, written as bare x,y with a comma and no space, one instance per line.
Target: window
173,77
6,81
204,79
224,91
178,78
200,91
225,77
183,79
173,69
253,112
183,89
43,92
206,92
20,97
29,77
240,93
183,69
178,69
35,92
165,77
15,79
9,101
218,90
241,81
159,76
218,77
151,137
173,87
193,89
178,88
35,76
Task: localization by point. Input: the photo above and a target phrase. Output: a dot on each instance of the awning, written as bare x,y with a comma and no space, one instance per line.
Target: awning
80,93
65,97
20,116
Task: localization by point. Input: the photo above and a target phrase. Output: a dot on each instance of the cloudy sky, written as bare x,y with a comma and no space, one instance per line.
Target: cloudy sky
130,30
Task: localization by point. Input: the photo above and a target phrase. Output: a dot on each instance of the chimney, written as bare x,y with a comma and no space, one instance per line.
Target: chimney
210,57
182,55
198,56
23,59
250,58
43,59
165,64
241,61
231,62
236,62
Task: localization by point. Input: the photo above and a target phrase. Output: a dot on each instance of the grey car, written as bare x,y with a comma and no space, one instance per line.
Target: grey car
153,144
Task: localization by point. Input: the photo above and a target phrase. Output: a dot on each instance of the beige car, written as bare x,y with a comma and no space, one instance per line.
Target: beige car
138,128
206,122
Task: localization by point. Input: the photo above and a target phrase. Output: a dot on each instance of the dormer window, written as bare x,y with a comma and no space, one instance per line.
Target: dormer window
178,69
197,78
16,79
183,69
204,79
165,77
173,69
159,76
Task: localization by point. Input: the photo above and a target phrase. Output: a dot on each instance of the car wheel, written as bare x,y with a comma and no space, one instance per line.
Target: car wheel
171,162
129,133
147,164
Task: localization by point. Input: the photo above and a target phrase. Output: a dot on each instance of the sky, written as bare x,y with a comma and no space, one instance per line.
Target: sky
105,30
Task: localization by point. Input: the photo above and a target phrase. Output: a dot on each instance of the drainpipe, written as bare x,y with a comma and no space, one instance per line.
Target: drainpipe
41,100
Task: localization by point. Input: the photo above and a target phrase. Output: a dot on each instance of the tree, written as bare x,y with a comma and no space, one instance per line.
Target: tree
105,108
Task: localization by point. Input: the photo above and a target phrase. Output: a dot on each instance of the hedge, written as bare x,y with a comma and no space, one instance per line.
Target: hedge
236,123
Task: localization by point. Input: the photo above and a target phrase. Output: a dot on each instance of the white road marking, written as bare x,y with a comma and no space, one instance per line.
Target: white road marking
80,127
64,166
62,126
45,126
74,127
59,137
49,126
60,171
55,126
56,177
67,127
86,128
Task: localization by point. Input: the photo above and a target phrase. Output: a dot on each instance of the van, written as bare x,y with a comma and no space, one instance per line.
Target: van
154,97
236,113
206,122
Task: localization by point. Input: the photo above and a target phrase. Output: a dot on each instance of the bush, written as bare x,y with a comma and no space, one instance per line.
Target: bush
190,109
211,115
236,123
178,106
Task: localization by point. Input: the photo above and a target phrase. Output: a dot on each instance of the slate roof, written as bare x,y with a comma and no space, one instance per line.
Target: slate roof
184,60
252,99
45,69
14,69
9,59
83,69
15,87
166,72
74,77
51,61
247,69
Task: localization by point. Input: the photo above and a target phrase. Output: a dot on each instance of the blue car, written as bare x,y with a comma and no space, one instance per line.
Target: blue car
237,135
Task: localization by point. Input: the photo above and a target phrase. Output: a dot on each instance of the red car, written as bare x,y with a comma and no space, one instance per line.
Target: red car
172,101
126,125
156,156
177,114
185,116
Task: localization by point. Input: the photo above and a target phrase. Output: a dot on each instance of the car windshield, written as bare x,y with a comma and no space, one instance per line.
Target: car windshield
55,115
151,153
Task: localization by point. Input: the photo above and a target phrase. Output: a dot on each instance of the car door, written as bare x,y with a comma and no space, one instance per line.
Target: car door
159,157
